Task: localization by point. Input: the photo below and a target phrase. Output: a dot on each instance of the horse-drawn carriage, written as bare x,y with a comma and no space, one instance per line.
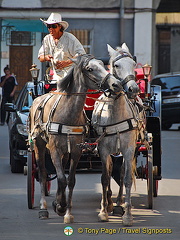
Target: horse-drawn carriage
118,126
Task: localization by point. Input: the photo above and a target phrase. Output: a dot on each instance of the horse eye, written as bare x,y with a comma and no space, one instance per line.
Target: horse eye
89,69
116,66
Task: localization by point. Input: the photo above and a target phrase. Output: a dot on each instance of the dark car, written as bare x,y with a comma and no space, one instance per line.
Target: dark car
170,88
17,120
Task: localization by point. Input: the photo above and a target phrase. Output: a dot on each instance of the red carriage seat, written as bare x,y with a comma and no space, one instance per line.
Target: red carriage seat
89,104
140,81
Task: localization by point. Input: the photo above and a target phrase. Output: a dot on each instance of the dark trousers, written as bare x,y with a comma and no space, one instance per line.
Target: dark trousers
5,100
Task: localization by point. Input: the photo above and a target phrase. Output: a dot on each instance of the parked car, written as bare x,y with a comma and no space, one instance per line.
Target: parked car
170,88
17,119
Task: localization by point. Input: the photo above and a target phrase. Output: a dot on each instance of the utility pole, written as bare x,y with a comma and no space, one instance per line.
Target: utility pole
121,21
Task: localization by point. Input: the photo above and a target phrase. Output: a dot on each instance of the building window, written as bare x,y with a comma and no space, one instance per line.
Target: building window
84,36
164,40
21,38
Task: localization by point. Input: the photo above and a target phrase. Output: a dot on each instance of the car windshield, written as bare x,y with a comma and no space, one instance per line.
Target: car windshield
170,82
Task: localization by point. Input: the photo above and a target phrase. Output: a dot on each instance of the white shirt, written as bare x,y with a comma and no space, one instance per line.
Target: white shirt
67,47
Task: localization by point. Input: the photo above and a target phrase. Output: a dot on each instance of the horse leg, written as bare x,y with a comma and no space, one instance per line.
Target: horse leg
119,200
118,209
127,217
109,191
39,148
59,205
105,181
68,218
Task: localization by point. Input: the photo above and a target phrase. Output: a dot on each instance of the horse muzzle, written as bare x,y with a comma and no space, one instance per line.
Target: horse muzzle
117,87
132,91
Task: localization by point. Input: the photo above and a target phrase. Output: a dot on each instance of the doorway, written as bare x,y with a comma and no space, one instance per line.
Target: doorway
164,41
20,63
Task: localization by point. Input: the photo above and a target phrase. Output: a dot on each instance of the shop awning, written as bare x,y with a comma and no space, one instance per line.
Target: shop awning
24,25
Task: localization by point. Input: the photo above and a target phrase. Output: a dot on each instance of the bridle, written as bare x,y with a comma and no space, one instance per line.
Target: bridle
91,77
129,77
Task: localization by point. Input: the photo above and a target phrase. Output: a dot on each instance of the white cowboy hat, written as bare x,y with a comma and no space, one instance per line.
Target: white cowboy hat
55,18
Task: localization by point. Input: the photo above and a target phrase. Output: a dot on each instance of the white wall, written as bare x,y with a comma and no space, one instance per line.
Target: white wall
21,3
4,56
143,31
36,50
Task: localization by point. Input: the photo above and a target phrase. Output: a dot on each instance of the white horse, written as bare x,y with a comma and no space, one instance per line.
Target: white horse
117,121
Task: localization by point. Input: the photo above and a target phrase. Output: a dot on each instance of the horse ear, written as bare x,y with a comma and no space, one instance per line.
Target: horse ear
74,60
110,50
124,46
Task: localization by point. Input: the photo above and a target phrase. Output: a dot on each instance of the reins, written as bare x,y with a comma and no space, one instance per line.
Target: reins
85,93
75,93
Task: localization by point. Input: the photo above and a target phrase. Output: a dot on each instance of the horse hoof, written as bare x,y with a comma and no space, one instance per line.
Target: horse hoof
68,219
43,214
103,217
58,209
127,221
118,210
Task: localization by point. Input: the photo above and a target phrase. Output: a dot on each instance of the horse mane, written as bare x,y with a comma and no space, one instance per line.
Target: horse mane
122,50
74,74
63,84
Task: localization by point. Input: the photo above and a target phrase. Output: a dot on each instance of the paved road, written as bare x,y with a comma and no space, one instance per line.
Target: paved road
17,222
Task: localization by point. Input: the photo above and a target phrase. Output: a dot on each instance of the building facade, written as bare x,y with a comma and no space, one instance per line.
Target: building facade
95,23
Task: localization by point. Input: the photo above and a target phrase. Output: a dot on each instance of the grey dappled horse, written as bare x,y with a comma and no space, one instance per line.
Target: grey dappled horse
117,121
57,122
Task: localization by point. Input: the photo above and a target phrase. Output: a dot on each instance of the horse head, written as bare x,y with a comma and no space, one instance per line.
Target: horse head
122,67
95,74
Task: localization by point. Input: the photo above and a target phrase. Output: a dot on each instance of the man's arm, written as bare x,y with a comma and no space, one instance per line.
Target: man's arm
44,58
3,82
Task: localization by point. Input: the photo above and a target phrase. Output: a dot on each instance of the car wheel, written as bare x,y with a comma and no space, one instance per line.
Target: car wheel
16,166
166,125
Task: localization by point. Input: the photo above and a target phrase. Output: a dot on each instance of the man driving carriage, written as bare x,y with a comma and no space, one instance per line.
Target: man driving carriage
59,46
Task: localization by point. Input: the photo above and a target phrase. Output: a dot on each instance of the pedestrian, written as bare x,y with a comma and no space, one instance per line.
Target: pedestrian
59,46
9,85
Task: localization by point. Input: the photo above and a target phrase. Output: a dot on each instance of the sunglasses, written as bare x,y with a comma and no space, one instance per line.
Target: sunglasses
52,26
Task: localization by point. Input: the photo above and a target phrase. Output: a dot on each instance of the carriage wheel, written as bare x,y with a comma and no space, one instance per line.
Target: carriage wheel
31,179
150,176
155,188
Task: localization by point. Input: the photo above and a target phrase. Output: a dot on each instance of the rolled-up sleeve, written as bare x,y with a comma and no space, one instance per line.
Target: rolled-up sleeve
44,50
75,47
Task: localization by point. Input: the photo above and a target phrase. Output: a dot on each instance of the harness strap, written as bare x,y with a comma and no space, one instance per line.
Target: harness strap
120,127
40,108
135,113
58,128
127,79
53,108
121,56
105,79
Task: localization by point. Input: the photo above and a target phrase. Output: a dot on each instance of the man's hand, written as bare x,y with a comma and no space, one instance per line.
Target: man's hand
44,58
48,58
63,64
